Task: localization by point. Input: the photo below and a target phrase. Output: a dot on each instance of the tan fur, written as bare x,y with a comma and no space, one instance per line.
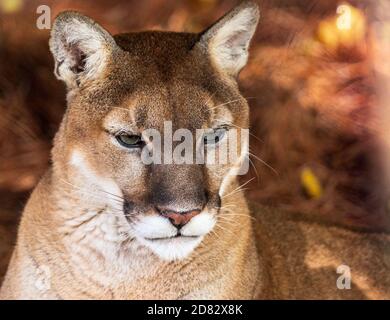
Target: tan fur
132,272
74,240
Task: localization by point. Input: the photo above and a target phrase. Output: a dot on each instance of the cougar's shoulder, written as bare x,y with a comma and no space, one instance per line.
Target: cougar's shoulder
35,227
310,259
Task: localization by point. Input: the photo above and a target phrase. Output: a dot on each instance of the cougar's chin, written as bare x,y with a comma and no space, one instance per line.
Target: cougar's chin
169,243
175,248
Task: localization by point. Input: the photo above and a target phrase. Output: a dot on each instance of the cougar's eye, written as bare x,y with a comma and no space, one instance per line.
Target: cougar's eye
130,140
215,136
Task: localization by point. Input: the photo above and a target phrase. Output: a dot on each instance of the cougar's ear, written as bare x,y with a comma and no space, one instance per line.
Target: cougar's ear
227,41
80,47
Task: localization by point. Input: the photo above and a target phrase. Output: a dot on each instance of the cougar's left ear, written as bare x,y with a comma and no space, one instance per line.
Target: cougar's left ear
227,41
81,48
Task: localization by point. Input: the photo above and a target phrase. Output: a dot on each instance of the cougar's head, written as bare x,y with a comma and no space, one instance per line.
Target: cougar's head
152,120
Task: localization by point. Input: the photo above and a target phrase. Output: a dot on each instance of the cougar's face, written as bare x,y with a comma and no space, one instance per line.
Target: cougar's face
170,201
159,129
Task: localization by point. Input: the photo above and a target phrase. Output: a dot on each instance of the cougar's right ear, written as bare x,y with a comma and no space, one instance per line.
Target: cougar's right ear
81,48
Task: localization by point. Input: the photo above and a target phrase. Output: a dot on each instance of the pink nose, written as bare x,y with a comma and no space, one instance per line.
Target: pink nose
179,219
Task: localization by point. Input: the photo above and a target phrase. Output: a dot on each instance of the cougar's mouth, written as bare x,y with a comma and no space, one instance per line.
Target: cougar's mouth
172,237
166,241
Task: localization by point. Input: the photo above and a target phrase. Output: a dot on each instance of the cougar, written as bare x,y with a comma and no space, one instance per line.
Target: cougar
103,224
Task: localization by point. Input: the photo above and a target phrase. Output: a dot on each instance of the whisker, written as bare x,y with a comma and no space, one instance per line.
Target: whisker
128,110
238,215
227,205
234,125
254,168
263,162
224,229
112,194
238,191
216,234
224,196
89,193
210,98
231,101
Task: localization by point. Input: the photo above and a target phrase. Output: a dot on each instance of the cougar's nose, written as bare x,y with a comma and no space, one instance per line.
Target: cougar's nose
178,219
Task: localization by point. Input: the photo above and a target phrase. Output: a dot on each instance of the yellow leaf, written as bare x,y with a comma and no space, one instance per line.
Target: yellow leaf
347,27
10,6
311,183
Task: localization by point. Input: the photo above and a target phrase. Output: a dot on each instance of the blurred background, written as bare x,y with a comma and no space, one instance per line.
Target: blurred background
317,83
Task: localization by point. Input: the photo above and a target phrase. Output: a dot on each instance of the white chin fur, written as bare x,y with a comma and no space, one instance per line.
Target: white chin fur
169,249
153,227
174,248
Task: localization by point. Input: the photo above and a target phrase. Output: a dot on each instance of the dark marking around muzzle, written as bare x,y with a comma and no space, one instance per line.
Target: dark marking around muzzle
178,188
